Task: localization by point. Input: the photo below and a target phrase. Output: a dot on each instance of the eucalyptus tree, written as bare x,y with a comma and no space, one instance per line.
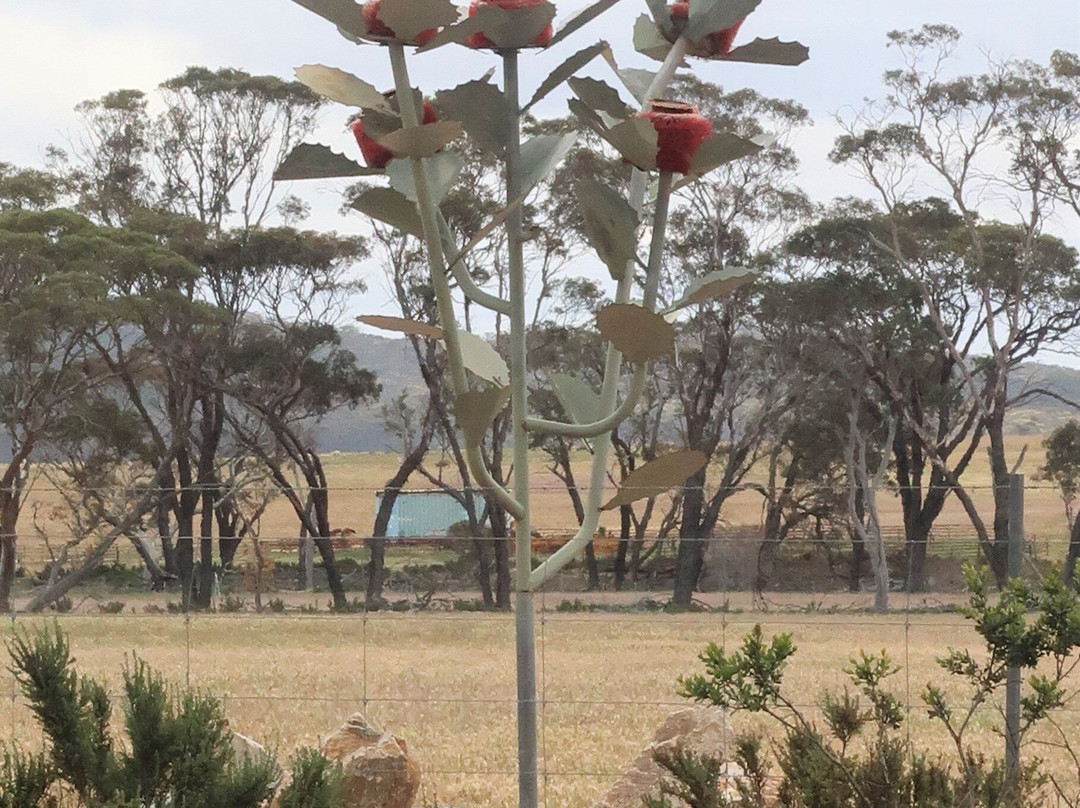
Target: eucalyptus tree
1017,289
199,174
1062,466
55,302
729,394
668,138
868,310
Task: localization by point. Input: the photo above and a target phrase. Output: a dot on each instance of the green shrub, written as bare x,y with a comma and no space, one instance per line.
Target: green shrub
824,766
178,749
25,780
112,607
315,782
231,603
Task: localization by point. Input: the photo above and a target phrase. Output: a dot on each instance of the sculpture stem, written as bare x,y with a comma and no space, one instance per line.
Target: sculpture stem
437,263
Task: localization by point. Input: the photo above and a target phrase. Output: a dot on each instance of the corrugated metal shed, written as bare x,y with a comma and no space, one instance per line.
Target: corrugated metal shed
422,513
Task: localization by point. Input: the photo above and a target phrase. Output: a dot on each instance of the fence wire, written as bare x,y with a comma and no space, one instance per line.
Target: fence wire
433,666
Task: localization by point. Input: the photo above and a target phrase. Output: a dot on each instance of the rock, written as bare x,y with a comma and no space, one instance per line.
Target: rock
245,747
379,771
703,730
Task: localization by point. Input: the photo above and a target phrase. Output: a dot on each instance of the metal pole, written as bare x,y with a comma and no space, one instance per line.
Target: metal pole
1012,683
523,607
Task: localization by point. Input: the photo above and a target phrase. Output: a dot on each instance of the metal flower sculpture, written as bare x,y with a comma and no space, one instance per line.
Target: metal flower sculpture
406,143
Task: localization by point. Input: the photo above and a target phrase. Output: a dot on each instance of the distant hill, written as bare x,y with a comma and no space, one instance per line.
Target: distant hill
1041,414
392,360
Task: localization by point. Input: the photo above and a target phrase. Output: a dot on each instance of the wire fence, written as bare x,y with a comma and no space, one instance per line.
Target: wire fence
435,668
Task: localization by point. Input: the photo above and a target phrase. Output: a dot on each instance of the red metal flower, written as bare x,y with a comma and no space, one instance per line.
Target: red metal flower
717,43
376,27
479,40
680,131
376,155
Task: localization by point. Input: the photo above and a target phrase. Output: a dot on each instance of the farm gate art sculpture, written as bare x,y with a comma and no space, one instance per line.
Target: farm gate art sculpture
667,141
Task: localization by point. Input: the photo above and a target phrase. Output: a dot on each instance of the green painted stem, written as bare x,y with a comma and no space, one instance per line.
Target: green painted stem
429,218
570,550
525,634
465,281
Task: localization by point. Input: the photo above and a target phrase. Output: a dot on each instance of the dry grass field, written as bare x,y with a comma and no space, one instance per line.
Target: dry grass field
445,682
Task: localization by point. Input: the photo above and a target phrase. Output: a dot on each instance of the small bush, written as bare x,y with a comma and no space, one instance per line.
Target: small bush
315,782
276,605
112,607
231,603
62,605
178,749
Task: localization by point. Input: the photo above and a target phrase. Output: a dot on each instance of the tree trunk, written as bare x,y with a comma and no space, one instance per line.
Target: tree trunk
9,517
206,552
625,528
691,553
377,563
185,526
163,515
997,554
228,542
915,542
501,545
858,558
320,501
1068,572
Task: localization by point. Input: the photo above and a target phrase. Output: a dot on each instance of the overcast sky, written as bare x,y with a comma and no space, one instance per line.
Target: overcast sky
55,53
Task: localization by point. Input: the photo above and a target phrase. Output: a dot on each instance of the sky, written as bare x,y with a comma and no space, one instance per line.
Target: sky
56,53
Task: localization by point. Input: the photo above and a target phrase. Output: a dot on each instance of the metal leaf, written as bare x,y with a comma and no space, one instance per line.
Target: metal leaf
345,88
483,360
662,17
476,409
648,39
600,96
310,161
658,476
515,28
640,334
710,16
719,149
770,52
401,325
567,69
540,155
635,139
610,224
442,172
421,141
582,18
715,285
407,18
345,14
391,207
577,398
457,34
482,109
636,80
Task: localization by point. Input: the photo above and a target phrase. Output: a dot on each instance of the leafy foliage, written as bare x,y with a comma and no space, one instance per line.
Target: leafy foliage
1036,631
179,748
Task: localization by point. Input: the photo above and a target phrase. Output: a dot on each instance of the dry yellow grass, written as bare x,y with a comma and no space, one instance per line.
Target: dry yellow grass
445,682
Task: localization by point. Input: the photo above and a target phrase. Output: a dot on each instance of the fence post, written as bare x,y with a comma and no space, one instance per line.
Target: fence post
1012,684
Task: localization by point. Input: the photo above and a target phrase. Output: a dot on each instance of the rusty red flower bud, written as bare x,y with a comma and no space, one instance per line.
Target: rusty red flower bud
374,154
680,131
376,27
479,40
717,43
